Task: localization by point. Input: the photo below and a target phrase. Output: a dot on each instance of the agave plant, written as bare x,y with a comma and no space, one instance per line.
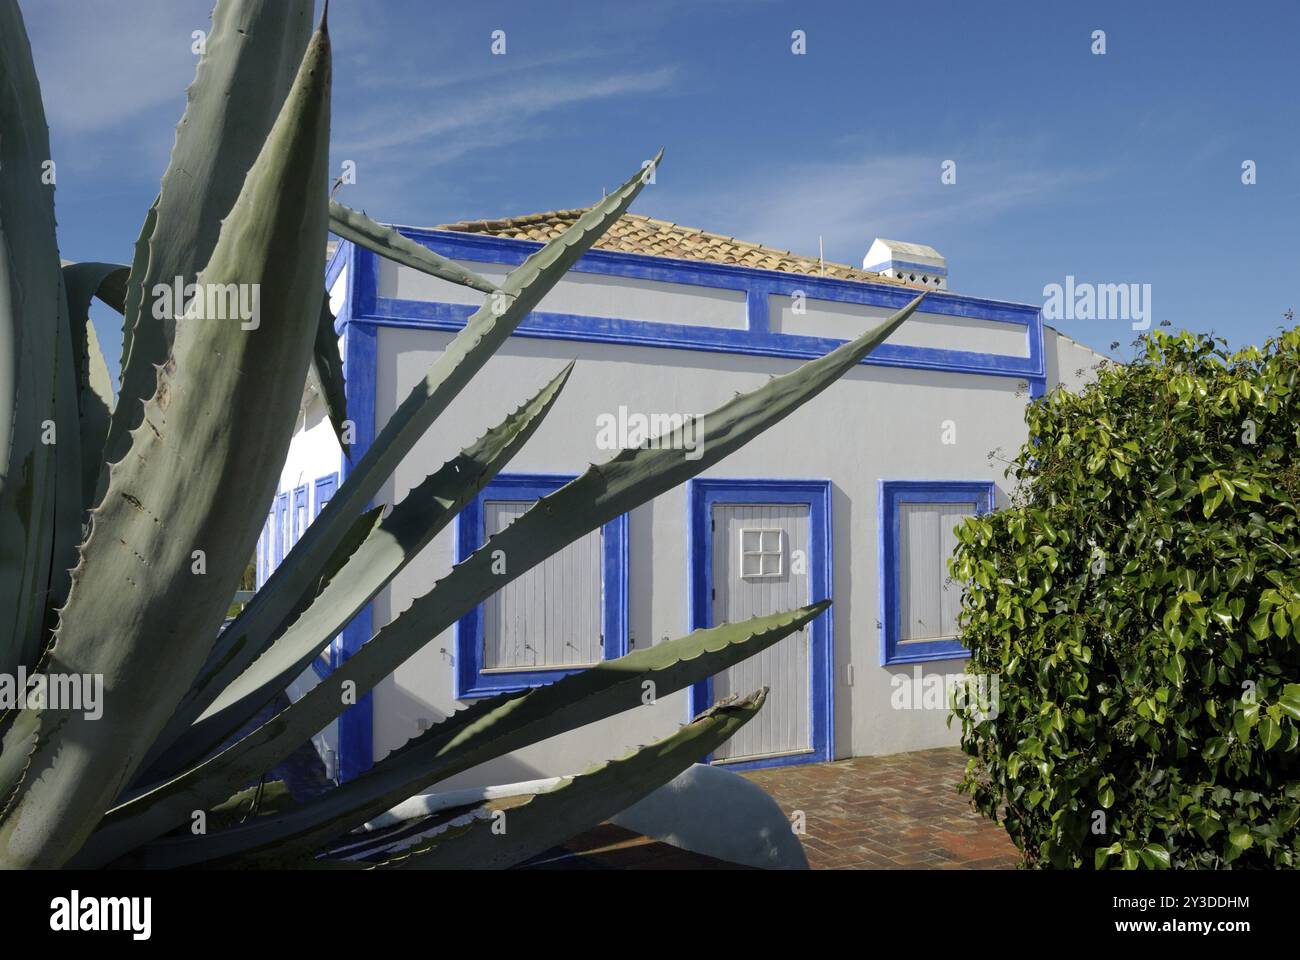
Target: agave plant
126,526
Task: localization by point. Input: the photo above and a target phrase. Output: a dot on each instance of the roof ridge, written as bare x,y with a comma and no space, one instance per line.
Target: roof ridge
638,233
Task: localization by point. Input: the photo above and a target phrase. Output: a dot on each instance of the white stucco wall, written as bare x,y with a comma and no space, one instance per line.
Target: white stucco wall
1069,363
825,318
875,424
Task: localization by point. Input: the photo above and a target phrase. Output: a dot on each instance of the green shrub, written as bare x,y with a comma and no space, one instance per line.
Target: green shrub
1139,604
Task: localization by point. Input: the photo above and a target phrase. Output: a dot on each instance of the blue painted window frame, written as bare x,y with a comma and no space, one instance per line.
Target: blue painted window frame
301,511
469,679
281,535
893,493
268,557
324,489
702,494
263,539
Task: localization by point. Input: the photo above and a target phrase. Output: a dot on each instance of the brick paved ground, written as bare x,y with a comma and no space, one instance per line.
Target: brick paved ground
896,812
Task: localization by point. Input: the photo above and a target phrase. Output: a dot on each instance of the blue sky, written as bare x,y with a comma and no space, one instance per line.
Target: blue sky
1121,168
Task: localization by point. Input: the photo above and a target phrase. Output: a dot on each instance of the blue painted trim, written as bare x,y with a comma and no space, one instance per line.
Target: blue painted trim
301,511
268,560
907,265
342,255
470,681
281,534
356,725
263,539
367,308
702,494
891,494
325,488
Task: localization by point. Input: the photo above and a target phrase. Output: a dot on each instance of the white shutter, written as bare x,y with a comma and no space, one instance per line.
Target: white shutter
549,616
928,603
951,515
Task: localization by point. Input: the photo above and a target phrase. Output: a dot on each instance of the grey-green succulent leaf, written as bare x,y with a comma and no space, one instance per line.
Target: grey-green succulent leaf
111,288
133,296
503,833
83,282
250,58
32,322
143,601
388,243
489,327
165,757
329,373
427,509
483,731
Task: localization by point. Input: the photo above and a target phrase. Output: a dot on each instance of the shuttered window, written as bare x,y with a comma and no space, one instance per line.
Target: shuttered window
549,616
929,600
567,613
918,600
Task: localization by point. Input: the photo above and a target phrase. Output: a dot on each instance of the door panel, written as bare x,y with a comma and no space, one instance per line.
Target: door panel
749,581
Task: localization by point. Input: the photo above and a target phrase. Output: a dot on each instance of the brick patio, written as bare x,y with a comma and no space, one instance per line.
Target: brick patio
897,812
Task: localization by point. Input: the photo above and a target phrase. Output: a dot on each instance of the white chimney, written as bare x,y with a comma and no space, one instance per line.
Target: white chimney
913,262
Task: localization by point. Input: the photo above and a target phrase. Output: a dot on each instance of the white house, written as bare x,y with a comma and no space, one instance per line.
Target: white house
853,497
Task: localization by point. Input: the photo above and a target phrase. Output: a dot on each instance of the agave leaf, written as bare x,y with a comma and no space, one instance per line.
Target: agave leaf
250,58
329,371
84,281
719,813
159,763
488,729
603,492
490,326
535,824
31,325
140,609
110,287
133,296
391,245
394,542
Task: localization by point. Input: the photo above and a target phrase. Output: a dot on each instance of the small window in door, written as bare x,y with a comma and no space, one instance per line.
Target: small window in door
761,553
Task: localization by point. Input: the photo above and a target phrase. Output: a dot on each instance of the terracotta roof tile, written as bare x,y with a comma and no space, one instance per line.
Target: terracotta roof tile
634,233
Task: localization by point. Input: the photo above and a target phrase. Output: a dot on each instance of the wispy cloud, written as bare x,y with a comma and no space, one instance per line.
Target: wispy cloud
846,203
490,116
101,71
